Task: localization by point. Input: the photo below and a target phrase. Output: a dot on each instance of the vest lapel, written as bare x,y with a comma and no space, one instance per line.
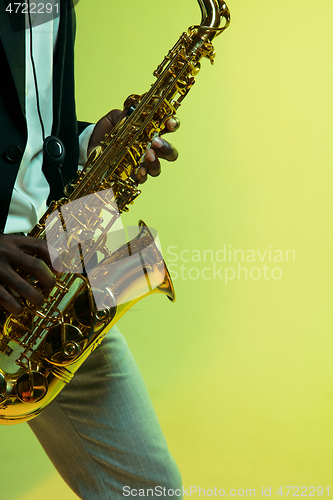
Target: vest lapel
12,34
59,66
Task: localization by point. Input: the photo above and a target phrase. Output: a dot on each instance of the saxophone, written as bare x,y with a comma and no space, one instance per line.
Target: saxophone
41,349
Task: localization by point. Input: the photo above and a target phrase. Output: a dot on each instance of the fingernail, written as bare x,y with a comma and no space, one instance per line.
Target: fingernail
174,123
142,171
150,155
158,142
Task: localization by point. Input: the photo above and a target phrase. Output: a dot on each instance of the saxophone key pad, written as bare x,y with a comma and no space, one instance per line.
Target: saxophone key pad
63,343
31,387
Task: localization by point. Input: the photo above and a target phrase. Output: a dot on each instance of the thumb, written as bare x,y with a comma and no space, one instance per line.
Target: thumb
104,127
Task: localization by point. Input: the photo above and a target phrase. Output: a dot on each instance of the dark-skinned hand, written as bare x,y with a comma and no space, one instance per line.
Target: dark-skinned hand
160,149
17,252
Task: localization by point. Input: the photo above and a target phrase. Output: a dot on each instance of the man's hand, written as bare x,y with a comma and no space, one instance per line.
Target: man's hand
160,148
17,253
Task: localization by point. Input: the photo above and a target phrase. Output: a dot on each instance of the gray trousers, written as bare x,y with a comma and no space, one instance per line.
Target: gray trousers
102,433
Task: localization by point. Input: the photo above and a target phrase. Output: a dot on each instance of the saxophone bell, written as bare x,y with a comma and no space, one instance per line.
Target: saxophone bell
133,271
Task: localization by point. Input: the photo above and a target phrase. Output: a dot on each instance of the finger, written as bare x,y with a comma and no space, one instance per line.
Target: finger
141,176
164,149
22,287
116,115
8,302
104,127
34,246
152,162
172,124
34,266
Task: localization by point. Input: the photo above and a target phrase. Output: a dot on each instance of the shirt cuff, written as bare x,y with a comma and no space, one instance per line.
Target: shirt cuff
84,139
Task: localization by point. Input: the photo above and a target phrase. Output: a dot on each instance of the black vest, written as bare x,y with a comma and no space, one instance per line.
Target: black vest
13,131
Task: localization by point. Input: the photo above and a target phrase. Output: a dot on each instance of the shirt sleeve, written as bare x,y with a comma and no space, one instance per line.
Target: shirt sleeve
84,139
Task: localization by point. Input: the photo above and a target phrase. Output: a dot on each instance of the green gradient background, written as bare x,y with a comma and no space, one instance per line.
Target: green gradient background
240,373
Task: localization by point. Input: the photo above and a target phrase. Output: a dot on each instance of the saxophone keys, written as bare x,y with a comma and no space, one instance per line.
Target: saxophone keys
63,343
195,67
95,153
71,349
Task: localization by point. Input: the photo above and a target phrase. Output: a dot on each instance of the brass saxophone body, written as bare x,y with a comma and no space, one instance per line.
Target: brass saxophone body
41,349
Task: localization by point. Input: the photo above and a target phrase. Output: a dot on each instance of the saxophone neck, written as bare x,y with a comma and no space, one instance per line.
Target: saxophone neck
212,11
